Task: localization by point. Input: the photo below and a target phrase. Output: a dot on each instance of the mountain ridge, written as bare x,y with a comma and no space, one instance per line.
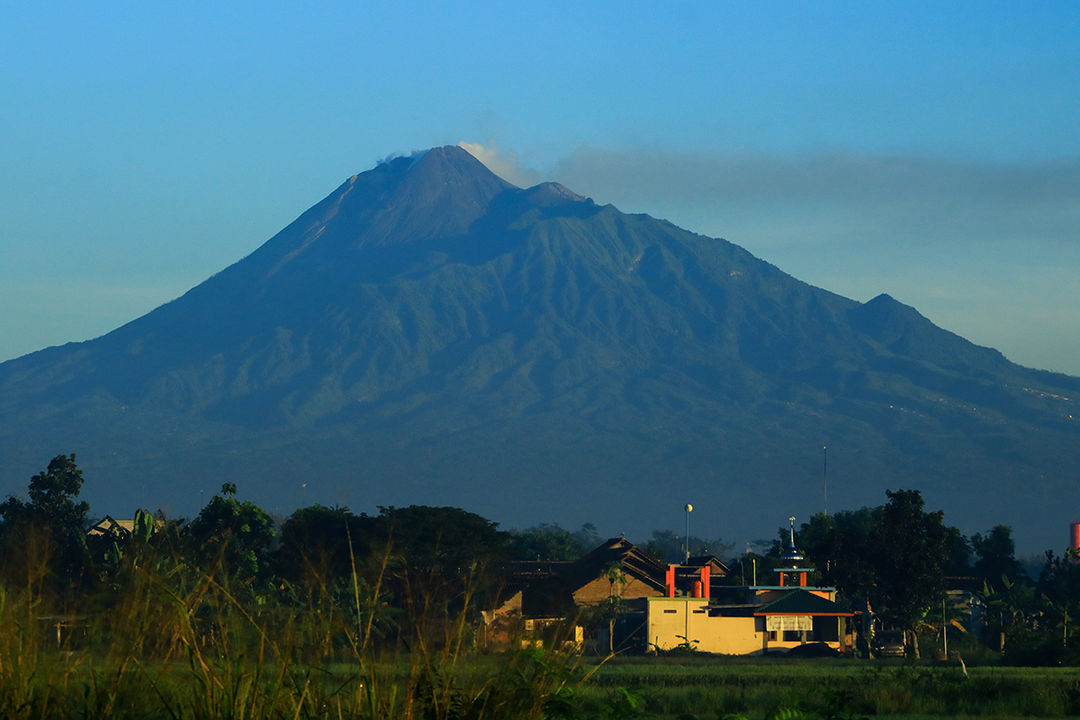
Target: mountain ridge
472,340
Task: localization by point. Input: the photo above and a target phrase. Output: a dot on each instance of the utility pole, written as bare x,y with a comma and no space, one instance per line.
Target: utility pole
944,631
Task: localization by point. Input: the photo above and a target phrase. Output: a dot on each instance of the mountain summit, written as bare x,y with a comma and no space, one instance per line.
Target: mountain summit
403,201
429,333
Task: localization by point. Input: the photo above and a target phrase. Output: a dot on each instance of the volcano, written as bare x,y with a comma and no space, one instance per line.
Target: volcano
431,334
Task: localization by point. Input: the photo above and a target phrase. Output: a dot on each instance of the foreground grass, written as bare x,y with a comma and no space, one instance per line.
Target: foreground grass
71,686
529,685
835,688
177,644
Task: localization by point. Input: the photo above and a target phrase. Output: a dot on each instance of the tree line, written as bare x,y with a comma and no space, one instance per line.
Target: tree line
898,560
402,573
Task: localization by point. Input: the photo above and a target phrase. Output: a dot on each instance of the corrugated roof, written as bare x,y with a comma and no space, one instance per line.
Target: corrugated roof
632,560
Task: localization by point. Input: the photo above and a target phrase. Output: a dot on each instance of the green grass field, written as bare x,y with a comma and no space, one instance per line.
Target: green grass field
529,685
174,643
834,688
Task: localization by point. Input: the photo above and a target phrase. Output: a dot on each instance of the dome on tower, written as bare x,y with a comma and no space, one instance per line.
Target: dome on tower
792,556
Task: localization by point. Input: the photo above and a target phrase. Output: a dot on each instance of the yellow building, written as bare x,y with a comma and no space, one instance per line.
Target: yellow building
750,620
772,619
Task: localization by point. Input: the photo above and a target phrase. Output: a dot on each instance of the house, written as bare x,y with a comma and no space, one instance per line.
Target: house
750,620
794,617
112,527
542,595
651,606
124,529
547,589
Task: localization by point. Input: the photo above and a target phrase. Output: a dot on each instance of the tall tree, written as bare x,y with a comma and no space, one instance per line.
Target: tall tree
911,547
232,536
959,564
444,564
839,547
996,561
445,540
668,546
892,557
321,544
1059,587
52,524
549,542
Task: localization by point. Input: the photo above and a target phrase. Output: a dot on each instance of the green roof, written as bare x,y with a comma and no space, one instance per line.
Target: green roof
801,602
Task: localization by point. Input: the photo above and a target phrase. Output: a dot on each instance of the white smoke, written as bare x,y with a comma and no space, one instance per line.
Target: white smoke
504,164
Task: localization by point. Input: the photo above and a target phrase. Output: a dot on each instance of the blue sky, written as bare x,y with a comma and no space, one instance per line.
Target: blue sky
928,150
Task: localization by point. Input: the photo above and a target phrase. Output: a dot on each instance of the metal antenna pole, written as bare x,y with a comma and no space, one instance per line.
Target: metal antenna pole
689,509
825,474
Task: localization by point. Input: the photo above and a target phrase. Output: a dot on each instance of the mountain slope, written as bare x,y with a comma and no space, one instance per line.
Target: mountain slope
430,333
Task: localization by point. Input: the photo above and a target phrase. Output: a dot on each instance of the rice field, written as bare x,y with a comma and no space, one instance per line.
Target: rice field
170,640
689,688
532,684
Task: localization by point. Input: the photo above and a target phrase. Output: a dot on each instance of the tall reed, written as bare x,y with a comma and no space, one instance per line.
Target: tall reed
162,637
